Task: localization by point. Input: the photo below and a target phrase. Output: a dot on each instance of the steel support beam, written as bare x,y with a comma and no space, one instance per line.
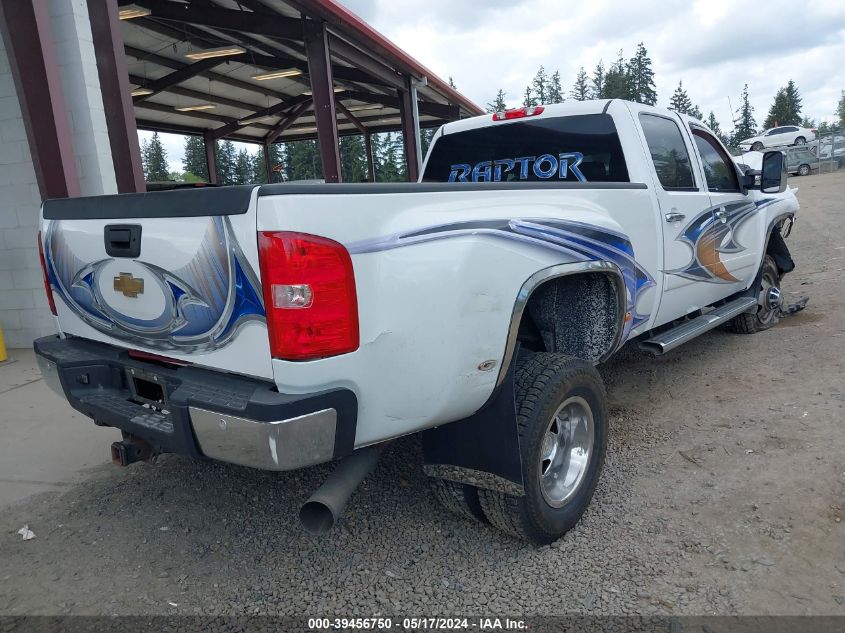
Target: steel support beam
114,85
368,148
273,110
322,87
178,76
409,132
25,25
285,123
268,168
210,156
351,117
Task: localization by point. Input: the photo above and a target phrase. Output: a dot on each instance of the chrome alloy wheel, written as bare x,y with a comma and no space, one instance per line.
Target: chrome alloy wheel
770,300
566,451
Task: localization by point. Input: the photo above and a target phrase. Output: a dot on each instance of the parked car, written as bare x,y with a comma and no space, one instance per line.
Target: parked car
286,325
801,161
832,147
777,136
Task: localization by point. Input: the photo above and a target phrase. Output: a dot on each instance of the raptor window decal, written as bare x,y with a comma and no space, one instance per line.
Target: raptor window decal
578,148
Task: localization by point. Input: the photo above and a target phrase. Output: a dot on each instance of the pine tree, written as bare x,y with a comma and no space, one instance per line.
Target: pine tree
499,103
744,124
154,159
840,110
302,160
714,126
793,104
426,137
353,159
581,89
226,157
528,99
641,77
244,174
390,158
452,83
194,166
259,168
555,89
809,122
778,110
680,101
616,81
540,86
597,82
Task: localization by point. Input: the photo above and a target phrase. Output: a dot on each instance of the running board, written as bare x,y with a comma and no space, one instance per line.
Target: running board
688,330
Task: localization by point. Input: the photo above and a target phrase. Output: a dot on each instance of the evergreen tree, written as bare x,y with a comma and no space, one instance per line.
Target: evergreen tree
193,162
259,168
302,160
786,108
244,174
680,101
353,159
809,122
540,86
714,126
597,82
581,88
555,89
452,83
426,137
390,158
499,103
840,110
528,99
744,124
640,78
616,81
154,159
226,157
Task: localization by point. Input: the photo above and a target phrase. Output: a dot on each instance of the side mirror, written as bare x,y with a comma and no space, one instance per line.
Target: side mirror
773,175
771,178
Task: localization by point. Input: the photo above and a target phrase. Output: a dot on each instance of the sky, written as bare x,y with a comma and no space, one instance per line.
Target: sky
713,46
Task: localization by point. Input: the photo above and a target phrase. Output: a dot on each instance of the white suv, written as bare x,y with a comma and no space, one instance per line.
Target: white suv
776,136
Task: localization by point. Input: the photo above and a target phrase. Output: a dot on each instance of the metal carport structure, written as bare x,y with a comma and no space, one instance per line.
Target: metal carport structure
260,71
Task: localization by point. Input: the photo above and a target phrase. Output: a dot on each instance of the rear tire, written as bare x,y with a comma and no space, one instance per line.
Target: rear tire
800,141
460,499
757,146
767,315
803,170
562,423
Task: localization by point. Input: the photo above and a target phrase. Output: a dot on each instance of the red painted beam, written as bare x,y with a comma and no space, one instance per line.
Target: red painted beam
117,101
26,31
409,134
322,87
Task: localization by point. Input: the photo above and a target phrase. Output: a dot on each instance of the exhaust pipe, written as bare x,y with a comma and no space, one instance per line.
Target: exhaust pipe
326,505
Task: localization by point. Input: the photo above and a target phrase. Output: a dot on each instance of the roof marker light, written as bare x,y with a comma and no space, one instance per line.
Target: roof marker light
517,113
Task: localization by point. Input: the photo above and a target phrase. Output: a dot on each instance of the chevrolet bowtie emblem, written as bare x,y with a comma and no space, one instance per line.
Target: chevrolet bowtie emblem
129,286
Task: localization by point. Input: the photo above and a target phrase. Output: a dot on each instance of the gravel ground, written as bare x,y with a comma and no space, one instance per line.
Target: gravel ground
722,494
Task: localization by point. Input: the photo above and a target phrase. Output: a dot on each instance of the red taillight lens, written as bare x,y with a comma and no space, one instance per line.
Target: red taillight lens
47,287
309,296
517,113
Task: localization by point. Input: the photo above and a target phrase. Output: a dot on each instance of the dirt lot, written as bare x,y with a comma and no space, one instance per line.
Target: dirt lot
724,492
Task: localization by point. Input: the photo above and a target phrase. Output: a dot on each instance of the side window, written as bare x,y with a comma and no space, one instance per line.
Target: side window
718,166
668,152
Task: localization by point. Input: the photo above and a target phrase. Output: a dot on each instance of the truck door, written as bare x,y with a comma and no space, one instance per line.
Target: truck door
689,256
737,231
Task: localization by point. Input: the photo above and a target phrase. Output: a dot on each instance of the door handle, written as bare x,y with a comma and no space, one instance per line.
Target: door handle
674,216
722,215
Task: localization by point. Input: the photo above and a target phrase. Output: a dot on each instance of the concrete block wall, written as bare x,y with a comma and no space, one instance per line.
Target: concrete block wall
24,314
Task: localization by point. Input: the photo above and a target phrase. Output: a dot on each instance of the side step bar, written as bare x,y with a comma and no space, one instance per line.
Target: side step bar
688,330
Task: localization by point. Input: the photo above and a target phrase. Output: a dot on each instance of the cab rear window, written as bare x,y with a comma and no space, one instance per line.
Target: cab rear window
573,148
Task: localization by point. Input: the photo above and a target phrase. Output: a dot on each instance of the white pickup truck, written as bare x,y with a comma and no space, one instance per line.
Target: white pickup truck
285,325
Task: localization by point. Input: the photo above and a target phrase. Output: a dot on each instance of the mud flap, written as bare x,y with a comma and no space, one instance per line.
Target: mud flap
481,450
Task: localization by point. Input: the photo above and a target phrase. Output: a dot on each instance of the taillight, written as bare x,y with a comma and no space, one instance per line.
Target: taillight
309,296
517,113
47,287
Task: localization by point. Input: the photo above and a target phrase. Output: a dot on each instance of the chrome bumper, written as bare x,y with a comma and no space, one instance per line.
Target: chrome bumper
280,445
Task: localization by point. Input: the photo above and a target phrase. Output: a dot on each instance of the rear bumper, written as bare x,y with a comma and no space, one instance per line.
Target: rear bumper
202,413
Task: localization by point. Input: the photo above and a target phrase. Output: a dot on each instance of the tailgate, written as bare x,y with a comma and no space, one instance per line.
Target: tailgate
173,273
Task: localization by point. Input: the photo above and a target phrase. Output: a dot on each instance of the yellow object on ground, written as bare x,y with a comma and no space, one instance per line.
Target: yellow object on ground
3,355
